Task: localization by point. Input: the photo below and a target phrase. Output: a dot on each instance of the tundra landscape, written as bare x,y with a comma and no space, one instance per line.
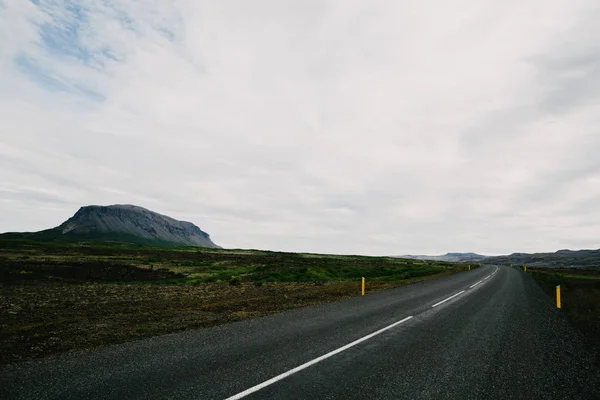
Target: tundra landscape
64,296
299,199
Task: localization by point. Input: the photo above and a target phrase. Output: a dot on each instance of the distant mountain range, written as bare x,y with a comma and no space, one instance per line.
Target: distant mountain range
133,224
122,223
451,257
558,259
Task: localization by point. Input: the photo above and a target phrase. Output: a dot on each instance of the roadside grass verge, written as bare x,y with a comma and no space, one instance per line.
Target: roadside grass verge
580,298
57,297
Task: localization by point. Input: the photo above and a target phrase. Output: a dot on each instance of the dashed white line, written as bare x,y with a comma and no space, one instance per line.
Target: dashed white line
312,362
490,275
339,350
449,298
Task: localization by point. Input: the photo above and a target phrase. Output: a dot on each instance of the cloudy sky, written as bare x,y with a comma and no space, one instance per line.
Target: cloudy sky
339,126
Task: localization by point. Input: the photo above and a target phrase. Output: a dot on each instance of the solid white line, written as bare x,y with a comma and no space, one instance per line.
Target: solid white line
472,286
312,362
487,277
449,298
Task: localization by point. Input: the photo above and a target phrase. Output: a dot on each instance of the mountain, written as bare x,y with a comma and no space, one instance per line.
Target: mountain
123,223
452,257
559,259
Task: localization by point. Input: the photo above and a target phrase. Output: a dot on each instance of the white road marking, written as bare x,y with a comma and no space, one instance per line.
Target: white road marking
312,362
472,286
339,350
449,298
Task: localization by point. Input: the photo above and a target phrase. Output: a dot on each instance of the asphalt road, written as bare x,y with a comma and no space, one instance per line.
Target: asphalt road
500,339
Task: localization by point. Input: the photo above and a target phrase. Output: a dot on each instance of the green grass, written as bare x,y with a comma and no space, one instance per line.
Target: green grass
56,236
581,276
323,271
199,265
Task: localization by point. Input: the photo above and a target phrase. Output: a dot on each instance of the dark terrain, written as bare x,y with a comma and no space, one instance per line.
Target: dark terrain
61,296
498,337
580,298
578,274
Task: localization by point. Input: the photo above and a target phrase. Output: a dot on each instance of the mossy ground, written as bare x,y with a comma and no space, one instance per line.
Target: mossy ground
58,297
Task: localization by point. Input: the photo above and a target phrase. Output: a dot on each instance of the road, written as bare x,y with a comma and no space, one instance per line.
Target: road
498,337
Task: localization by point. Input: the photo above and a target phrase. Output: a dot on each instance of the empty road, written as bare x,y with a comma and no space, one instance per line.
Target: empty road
490,333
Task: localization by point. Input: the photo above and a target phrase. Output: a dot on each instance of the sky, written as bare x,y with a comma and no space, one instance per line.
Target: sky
330,126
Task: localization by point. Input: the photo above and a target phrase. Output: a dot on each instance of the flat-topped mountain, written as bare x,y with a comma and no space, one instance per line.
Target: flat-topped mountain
124,223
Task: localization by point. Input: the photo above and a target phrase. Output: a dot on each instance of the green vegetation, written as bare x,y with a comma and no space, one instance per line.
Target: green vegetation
29,260
580,298
62,296
55,235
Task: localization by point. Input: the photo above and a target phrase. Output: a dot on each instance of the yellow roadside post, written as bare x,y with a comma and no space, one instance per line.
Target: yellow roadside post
469,267
558,296
525,268
363,286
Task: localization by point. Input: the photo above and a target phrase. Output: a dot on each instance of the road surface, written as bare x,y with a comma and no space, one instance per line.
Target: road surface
490,333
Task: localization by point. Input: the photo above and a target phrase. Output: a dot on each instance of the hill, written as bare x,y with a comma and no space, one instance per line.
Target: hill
450,257
559,259
122,223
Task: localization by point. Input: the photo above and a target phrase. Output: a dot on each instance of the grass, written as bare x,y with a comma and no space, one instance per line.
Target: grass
60,296
28,260
580,298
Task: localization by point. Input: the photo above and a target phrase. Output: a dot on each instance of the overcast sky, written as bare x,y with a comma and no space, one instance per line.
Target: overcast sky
349,126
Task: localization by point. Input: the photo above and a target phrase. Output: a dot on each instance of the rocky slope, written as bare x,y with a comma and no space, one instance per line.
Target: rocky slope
125,223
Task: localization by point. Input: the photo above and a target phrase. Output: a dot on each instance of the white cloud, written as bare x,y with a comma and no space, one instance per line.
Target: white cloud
332,126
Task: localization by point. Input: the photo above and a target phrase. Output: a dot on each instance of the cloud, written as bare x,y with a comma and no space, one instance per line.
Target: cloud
327,126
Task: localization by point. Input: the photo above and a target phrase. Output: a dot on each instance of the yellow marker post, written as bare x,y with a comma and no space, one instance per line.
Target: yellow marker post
469,267
525,268
363,286
558,296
